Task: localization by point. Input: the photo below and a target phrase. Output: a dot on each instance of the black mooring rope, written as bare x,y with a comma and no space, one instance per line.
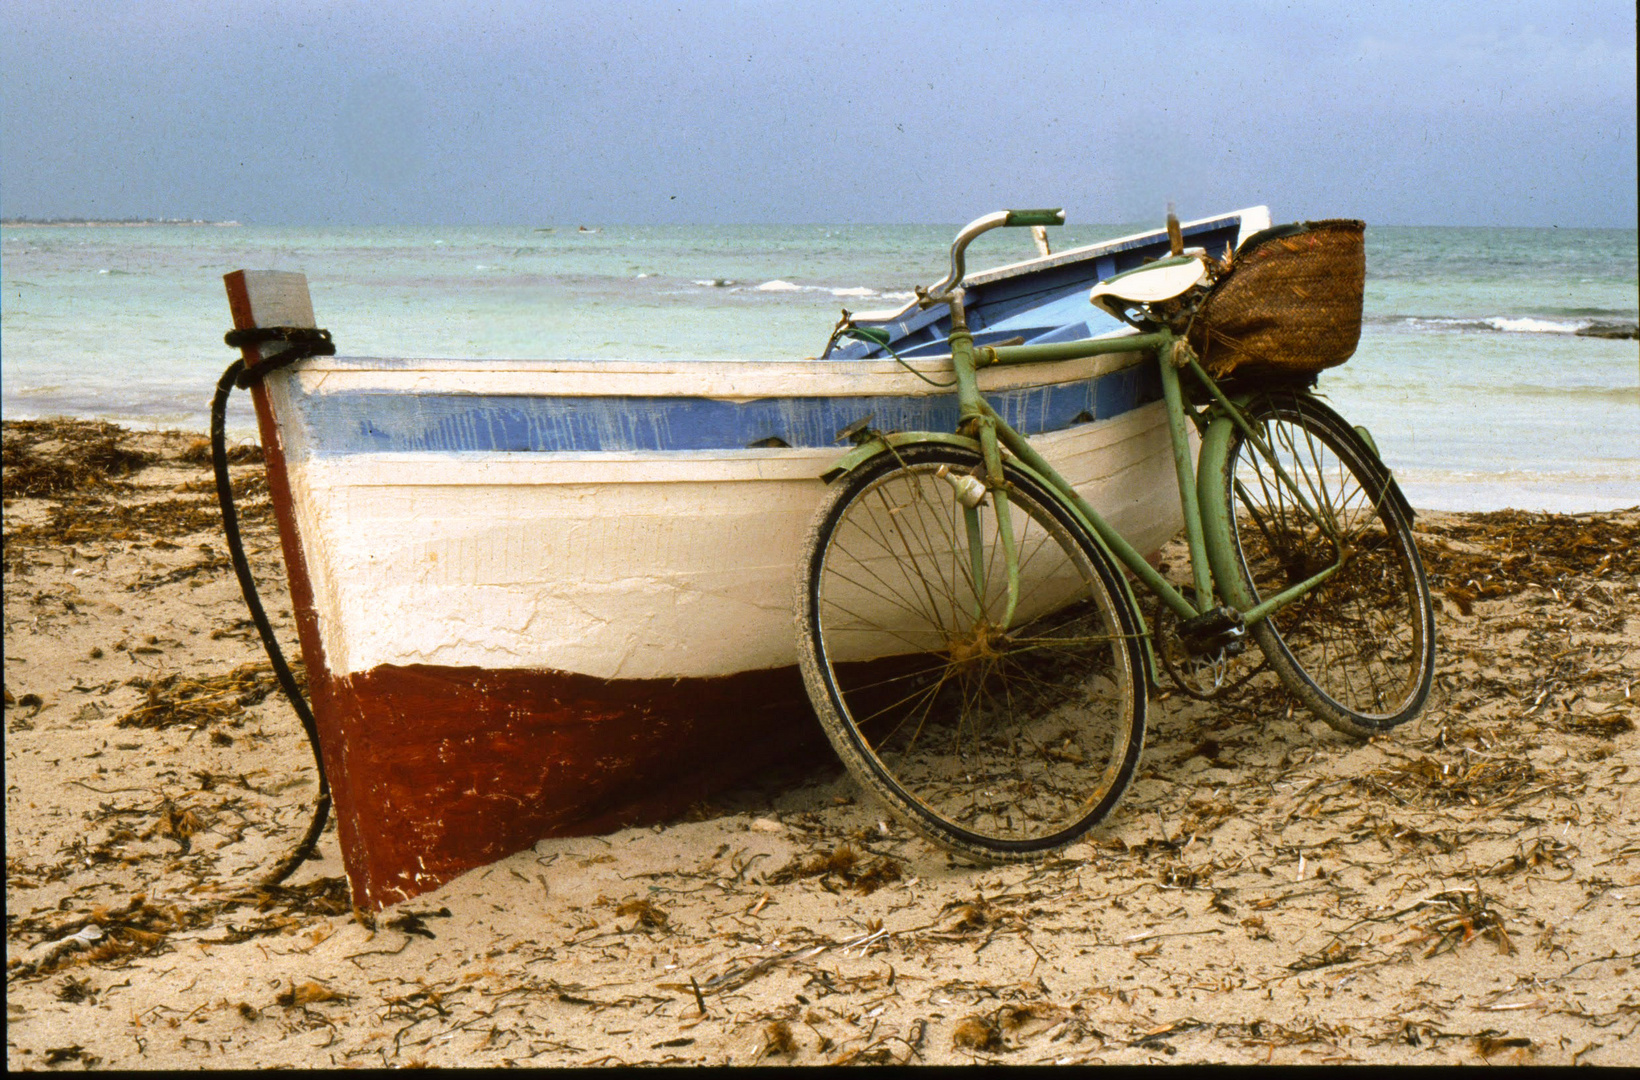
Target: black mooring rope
309,343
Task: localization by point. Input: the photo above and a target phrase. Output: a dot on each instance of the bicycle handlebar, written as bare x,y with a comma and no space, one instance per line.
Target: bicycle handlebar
941,291
1035,217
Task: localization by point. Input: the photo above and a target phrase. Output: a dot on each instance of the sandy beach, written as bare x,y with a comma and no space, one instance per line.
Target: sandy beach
1463,890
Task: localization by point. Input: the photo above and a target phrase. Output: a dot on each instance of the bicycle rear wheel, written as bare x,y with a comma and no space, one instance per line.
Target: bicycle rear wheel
999,742
1359,648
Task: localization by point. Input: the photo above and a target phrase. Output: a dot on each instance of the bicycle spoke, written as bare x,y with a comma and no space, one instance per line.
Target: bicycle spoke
882,594
910,555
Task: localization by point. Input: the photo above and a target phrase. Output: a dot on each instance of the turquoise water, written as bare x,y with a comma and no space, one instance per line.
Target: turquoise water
1469,372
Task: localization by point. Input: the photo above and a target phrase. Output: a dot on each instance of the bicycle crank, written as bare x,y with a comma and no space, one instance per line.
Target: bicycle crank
1204,655
1213,631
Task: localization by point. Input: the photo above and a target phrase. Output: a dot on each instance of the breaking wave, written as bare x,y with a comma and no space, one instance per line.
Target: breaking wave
778,285
1506,324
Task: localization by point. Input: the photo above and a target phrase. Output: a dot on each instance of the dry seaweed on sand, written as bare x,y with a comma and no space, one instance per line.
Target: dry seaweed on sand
211,563
91,520
144,926
61,457
414,923
778,1039
1608,725
107,935
648,915
57,1055
321,896
1492,782
977,1033
841,866
1123,950
89,474
248,485
198,453
186,699
1460,916
1502,553
971,915
1334,952
309,993
178,823
1543,851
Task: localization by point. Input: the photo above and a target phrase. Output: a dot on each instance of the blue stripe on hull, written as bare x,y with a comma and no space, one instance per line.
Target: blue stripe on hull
365,422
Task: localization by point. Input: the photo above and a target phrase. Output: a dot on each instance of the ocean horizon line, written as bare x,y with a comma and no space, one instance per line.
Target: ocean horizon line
593,224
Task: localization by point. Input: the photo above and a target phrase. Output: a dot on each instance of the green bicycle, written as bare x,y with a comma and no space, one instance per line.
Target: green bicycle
967,635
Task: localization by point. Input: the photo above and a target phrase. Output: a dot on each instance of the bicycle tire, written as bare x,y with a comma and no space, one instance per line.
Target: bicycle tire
1359,649
1001,745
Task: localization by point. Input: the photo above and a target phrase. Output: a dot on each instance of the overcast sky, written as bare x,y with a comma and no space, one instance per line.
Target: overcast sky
322,112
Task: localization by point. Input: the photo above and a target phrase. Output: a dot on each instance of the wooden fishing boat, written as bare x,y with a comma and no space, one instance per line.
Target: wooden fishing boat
550,597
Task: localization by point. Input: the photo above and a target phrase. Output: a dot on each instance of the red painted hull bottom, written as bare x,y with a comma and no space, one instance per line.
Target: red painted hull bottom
437,770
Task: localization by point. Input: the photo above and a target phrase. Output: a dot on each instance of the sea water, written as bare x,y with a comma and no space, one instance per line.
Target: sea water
1469,374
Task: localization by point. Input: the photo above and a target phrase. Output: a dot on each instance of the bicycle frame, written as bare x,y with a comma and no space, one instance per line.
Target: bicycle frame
981,424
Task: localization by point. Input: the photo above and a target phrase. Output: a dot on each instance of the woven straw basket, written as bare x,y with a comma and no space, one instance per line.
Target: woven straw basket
1290,305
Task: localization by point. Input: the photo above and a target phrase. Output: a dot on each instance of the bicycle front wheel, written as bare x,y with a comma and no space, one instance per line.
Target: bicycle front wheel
1001,739
1359,648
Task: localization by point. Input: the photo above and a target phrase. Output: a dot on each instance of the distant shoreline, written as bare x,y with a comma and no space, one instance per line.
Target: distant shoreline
86,223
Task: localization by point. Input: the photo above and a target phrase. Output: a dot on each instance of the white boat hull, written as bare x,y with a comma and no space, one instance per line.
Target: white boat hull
612,564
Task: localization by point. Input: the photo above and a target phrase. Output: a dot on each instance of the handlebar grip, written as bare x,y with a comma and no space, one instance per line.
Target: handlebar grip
1035,217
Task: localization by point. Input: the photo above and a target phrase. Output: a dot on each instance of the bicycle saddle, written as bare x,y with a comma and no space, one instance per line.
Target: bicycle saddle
1161,280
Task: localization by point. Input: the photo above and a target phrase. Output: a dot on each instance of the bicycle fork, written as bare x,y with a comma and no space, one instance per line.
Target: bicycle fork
977,418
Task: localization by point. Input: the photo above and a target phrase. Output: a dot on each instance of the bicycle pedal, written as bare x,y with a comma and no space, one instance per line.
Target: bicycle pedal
1220,628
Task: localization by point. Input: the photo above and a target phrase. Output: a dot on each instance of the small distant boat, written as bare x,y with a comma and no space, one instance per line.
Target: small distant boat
553,597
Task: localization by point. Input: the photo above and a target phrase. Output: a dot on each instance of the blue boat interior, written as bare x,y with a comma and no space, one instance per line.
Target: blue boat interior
1042,306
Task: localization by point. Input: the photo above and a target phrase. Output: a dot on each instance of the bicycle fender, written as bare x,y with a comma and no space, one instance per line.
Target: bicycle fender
1384,475
1216,524
882,444
1368,448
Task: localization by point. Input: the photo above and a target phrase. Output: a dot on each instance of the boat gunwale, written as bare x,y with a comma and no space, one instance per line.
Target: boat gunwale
1119,244
724,379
